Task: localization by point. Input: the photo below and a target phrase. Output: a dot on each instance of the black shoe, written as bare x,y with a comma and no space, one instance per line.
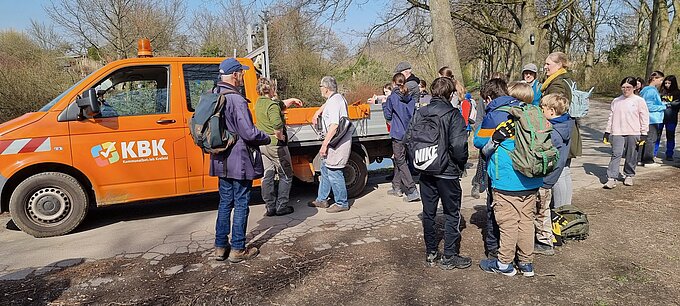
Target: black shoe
543,249
270,213
284,211
431,258
455,261
475,191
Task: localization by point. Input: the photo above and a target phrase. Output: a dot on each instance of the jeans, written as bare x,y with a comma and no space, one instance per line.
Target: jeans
332,179
563,190
234,194
670,138
431,190
481,177
276,160
649,150
622,144
491,233
402,174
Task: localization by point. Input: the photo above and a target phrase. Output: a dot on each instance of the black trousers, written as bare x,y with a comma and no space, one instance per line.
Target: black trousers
432,189
402,174
648,155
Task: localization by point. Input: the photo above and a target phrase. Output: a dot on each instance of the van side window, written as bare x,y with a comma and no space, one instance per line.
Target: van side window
198,79
134,91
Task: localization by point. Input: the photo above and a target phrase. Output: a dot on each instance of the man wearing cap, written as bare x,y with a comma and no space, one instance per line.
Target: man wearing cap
529,75
412,81
236,168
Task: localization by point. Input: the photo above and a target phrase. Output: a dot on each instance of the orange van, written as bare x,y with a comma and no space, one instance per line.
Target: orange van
60,161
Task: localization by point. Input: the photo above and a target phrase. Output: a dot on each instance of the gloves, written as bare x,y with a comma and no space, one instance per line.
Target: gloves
503,131
605,138
643,139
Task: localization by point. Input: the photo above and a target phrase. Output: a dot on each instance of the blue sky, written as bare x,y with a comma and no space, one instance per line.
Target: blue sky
17,14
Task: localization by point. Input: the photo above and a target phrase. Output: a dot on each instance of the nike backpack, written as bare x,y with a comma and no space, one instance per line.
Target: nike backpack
427,141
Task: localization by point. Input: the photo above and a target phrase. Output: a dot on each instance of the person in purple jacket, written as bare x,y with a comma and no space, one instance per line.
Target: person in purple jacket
398,110
236,168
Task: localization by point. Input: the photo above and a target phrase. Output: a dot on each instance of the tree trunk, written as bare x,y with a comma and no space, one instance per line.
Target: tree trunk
668,32
443,37
530,28
590,44
569,27
653,34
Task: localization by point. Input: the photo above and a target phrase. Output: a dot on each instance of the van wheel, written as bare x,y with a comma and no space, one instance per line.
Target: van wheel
356,175
48,204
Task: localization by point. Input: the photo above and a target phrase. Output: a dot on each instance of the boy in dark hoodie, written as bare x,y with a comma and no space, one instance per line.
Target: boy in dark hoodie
444,186
554,107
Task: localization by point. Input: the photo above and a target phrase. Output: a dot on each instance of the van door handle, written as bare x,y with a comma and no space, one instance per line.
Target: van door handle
166,121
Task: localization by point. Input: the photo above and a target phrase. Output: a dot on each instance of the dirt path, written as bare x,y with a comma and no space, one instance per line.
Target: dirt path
630,258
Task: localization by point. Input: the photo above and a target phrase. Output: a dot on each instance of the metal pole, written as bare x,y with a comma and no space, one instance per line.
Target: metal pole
266,45
249,29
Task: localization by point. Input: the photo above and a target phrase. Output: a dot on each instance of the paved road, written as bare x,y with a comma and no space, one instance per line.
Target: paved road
155,230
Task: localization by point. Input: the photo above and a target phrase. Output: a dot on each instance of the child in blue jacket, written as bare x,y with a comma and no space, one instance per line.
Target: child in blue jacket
514,195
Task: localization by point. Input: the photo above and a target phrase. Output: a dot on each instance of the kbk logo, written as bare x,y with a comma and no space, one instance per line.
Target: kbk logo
105,154
130,151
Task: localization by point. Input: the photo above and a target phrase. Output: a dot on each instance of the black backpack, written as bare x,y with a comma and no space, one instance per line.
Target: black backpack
427,141
207,125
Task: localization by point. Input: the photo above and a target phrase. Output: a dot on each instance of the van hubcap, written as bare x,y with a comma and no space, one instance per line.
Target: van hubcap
49,205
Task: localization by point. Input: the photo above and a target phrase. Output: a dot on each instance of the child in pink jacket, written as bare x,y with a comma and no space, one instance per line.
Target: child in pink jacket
627,129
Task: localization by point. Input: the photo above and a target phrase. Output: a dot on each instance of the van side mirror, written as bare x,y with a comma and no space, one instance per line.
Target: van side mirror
88,103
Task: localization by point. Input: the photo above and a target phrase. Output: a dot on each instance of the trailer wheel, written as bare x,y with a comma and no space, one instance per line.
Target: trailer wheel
356,175
48,204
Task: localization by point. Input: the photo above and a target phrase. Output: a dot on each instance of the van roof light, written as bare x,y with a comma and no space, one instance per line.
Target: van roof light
144,48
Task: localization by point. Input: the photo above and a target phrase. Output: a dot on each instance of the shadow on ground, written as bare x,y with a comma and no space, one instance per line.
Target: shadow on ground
36,286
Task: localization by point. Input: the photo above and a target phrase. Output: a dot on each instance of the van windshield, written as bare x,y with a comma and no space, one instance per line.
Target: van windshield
48,106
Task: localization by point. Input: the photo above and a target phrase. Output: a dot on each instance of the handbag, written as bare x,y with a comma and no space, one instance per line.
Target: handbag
344,126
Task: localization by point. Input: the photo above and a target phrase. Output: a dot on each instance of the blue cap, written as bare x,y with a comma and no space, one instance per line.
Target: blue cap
468,96
231,65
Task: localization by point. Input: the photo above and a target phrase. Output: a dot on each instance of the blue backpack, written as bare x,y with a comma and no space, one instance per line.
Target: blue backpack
580,101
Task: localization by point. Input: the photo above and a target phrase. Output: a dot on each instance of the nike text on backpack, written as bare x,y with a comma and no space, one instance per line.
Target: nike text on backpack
580,102
534,154
427,142
207,125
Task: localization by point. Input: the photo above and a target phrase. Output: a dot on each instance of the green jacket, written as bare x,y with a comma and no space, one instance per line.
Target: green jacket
270,117
559,86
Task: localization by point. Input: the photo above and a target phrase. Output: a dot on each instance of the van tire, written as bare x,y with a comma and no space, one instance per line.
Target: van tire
48,204
356,175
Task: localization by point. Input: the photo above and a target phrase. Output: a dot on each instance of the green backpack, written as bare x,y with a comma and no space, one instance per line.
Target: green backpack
534,154
575,225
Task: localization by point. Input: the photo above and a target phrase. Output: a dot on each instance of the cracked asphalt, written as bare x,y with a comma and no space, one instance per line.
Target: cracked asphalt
153,231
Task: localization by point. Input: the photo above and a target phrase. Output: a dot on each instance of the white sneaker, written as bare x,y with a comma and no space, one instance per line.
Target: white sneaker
628,181
611,184
652,165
